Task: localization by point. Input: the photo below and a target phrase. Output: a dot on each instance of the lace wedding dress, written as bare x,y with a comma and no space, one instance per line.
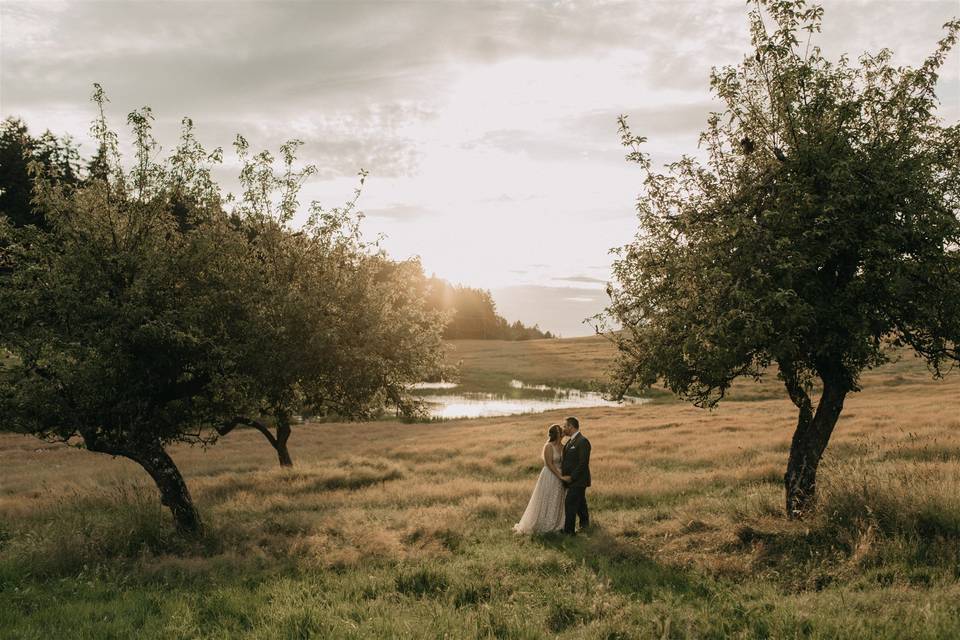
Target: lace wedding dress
544,512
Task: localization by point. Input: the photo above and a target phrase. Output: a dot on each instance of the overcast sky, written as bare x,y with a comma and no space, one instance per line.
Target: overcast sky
488,129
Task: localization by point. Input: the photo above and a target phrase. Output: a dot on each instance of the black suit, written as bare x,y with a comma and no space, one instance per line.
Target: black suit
576,465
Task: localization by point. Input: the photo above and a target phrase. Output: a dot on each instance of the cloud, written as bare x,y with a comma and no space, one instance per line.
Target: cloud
583,279
400,212
555,144
506,198
258,51
489,128
652,119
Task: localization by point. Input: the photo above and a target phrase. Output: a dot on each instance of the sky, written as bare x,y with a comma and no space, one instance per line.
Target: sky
489,129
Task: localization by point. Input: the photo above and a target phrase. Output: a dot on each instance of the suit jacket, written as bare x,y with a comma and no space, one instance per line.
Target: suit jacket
576,461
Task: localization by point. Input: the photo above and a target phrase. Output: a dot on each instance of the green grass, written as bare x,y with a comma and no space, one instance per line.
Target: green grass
388,530
577,363
108,565
590,587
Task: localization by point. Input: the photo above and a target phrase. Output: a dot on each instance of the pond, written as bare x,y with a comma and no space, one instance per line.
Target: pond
447,400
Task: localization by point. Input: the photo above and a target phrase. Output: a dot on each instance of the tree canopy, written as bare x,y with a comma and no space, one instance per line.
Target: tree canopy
116,320
819,229
57,157
341,330
151,310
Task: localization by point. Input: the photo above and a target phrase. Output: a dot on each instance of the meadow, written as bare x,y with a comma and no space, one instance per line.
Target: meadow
395,530
582,363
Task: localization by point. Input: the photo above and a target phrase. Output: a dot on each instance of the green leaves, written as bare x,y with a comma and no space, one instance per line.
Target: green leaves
151,312
823,220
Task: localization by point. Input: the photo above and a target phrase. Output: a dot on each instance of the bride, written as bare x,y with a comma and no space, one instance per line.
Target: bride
544,512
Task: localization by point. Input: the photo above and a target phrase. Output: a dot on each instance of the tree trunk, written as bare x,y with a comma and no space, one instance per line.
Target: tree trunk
173,490
280,443
809,442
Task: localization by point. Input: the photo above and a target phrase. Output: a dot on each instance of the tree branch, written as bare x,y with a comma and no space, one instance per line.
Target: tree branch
231,424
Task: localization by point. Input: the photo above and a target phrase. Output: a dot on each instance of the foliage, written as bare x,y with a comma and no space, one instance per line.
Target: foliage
343,328
148,313
822,222
120,322
340,329
57,158
112,312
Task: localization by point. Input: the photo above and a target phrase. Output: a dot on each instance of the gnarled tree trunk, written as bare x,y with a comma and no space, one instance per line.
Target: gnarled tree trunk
810,439
161,467
283,435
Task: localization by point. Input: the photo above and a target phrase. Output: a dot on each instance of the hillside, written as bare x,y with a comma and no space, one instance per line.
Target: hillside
403,531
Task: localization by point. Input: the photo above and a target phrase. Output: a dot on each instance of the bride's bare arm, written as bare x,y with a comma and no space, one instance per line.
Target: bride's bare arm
547,456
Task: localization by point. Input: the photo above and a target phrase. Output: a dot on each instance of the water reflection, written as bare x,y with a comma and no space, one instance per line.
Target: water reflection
434,385
521,398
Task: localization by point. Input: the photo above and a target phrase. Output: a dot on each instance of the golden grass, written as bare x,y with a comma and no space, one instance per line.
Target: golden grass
680,487
673,458
567,361
587,362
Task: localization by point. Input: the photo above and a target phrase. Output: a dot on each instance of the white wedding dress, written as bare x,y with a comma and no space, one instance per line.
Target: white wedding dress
544,512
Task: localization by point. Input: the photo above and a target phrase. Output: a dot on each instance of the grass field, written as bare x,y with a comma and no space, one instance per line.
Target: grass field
572,362
405,531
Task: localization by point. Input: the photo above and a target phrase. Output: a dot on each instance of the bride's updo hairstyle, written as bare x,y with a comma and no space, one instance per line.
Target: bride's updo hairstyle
554,432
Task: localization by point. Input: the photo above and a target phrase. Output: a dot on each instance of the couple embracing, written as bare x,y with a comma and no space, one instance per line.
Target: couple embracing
560,496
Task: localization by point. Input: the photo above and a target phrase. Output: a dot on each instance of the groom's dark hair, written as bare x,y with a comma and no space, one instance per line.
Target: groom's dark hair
573,422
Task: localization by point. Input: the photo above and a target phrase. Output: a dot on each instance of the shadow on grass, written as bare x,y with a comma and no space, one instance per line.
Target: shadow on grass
909,546
80,532
628,569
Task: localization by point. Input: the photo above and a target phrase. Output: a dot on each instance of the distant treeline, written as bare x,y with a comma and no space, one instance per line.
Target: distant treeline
474,314
57,158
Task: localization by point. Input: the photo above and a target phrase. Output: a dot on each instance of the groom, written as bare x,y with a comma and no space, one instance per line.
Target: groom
575,472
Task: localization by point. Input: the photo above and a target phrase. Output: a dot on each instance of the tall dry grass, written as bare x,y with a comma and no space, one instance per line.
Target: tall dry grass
403,530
